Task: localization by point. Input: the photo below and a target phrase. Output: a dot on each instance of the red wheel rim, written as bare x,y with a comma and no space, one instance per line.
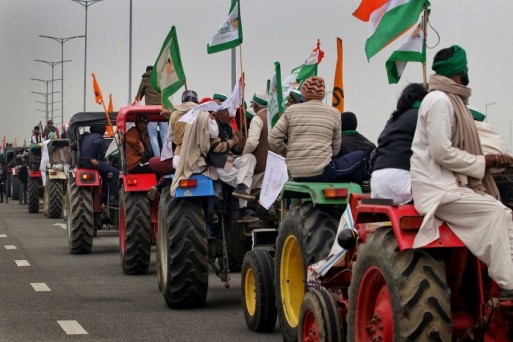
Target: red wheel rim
122,241
374,315
310,330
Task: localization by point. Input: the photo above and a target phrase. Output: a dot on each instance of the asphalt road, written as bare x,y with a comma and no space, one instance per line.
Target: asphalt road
46,294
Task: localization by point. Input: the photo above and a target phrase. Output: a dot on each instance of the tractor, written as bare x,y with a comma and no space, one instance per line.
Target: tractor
35,183
55,188
13,157
137,214
87,196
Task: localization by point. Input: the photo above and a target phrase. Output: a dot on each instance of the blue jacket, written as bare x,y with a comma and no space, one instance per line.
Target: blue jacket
91,147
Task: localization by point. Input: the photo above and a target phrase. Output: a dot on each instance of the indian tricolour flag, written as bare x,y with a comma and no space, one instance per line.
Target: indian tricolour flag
309,67
412,49
275,101
230,33
167,75
389,18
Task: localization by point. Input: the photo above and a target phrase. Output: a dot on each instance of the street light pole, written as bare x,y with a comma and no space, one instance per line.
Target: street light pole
86,4
130,57
52,64
486,108
61,41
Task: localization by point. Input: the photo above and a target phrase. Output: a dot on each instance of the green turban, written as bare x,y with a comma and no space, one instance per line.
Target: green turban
456,64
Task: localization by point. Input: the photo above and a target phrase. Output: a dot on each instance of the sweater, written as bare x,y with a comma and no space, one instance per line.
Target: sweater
151,96
394,143
313,134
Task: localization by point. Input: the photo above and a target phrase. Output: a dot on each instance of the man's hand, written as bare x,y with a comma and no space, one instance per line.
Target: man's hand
166,112
498,160
95,162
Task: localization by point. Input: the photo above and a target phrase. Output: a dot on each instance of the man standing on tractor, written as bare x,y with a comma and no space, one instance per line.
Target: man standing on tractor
450,175
92,157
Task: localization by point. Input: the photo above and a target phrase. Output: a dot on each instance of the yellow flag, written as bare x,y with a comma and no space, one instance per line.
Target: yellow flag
338,84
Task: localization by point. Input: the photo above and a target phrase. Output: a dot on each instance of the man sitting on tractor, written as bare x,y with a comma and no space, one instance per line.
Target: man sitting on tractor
450,175
138,147
92,157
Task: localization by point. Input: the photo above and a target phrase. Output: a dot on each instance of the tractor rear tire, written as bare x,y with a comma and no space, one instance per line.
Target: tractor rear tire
305,237
257,285
33,195
161,243
398,296
135,232
80,218
8,182
55,189
319,319
184,253
16,188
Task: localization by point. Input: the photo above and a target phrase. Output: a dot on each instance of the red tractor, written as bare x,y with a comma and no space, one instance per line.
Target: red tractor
384,290
137,214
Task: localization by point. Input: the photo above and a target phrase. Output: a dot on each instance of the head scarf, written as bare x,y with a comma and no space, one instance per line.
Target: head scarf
313,89
189,96
454,65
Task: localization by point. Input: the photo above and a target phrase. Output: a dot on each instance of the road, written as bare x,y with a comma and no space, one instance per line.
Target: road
46,294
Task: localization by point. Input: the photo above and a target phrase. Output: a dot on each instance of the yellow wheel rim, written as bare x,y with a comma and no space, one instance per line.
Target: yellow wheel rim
250,291
292,280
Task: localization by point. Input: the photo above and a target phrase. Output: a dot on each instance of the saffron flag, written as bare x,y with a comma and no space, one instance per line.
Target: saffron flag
168,75
338,85
111,106
230,33
98,97
389,19
275,102
309,67
412,49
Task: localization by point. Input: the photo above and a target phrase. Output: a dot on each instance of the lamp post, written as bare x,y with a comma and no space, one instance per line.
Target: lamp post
61,41
486,108
47,104
52,64
130,57
86,4
46,82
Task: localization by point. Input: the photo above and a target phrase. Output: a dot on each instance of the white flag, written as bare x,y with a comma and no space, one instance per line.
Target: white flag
274,178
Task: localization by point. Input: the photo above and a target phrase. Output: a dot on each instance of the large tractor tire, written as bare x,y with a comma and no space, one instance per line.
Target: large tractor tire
305,237
134,232
319,319
161,245
16,188
183,253
8,185
80,218
33,195
397,296
257,285
55,190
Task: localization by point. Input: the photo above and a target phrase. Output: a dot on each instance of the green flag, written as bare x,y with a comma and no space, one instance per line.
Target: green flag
168,75
230,33
412,49
309,67
275,102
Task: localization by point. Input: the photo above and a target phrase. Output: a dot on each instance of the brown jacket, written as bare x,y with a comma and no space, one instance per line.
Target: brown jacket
135,147
151,96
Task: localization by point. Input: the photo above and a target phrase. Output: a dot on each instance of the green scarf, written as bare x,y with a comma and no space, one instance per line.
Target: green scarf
456,64
350,132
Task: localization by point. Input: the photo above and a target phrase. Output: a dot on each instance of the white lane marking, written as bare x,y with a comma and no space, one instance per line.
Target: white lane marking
40,287
62,225
72,328
3,235
10,247
22,262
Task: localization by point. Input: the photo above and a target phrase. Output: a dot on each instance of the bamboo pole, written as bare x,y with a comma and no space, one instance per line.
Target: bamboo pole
424,29
244,122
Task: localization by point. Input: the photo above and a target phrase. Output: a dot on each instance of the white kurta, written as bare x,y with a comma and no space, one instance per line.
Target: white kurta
484,224
45,159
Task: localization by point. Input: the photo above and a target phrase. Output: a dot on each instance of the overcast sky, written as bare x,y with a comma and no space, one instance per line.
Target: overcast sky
274,30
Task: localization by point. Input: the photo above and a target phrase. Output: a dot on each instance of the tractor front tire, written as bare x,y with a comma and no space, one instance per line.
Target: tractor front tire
257,285
33,195
183,253
398,296
16,188
135,232
55,189
80,218
319,318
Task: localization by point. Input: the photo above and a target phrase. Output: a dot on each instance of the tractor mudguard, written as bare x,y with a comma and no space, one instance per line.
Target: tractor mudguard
87,177
139,181
320,193
195,186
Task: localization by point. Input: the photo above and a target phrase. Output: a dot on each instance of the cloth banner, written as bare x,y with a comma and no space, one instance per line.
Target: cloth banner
274,178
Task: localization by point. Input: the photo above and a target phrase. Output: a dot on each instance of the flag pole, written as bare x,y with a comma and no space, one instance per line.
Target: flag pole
424,28
243,90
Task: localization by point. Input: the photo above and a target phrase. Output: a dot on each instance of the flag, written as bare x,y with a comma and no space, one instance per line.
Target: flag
275,176
230,33
192,114
309,67
290,82
97,92
338,84
412,49
111,106
275,102
168,75
389,20
235,99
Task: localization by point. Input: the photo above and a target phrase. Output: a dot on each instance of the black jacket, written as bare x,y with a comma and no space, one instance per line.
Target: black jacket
23,174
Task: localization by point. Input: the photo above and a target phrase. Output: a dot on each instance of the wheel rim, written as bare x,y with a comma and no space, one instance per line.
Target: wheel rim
374,315
250,291
292,280
310,331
